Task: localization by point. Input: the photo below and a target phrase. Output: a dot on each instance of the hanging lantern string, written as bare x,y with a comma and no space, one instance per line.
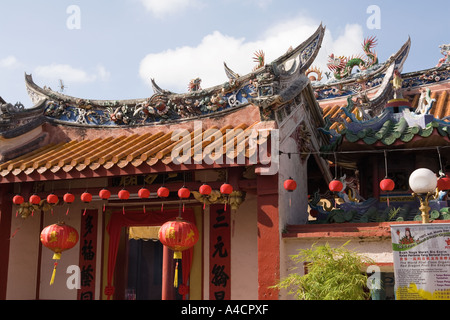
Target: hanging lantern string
386,175
328,153
441,173
385,165
335,166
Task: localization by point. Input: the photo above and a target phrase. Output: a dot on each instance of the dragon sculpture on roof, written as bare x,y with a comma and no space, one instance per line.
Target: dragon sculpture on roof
342,67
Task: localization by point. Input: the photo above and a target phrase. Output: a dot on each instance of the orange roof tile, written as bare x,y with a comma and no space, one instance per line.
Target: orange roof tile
135,149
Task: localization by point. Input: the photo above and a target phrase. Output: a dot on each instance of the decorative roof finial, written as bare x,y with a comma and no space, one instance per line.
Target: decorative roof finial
397,85
445,50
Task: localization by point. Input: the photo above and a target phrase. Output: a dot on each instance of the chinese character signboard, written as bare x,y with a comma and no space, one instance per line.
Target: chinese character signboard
88,247
421,261
219,253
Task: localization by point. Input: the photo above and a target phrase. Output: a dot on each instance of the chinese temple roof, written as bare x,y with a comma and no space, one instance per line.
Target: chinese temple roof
424,112
134,151
61,133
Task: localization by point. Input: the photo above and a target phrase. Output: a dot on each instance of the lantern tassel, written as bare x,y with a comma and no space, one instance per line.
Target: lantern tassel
123,210
162,207
84,212
104,207
175,280
144,208
176,255
67,212
56,256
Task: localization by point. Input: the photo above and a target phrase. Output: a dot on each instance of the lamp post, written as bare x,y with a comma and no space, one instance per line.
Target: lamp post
423,183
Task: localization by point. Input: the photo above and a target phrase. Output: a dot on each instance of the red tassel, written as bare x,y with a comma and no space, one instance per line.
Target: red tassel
67,212
162,207
104,207
84,213
144,208
123,210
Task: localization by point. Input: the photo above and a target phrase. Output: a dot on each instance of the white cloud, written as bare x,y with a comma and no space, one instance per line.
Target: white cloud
173,69
71,74
161,8
10,62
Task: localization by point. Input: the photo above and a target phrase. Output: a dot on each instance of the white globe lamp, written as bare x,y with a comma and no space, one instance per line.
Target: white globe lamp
423,183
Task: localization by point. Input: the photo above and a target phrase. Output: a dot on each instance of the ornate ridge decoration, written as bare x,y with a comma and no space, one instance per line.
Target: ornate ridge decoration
263,87
370,77
342,67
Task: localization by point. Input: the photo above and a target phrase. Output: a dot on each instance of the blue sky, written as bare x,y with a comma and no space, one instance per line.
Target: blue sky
121,44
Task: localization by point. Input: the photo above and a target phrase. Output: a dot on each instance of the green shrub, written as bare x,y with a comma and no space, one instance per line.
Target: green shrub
333,274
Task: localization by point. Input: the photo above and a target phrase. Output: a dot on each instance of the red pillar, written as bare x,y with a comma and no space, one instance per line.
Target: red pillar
268,237
5,233
167,275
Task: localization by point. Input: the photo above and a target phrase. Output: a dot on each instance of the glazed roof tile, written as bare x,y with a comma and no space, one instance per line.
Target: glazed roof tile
134,150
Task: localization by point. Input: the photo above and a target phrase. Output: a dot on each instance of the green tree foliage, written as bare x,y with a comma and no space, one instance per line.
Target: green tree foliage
333,274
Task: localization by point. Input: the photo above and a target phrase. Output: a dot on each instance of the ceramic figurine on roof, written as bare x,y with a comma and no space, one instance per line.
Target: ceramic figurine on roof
445,50
342,67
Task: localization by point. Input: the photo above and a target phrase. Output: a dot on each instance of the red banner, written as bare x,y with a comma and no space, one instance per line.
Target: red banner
88,248
219,253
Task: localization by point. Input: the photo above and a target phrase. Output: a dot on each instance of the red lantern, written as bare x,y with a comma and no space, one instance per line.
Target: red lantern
58,238
184,193
35,199
336,186
443,183
124,195
205,190
163,192
178,235
144,193
68,198
18,200
387,185
86,197
52,199
104,194
290,185
226,189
